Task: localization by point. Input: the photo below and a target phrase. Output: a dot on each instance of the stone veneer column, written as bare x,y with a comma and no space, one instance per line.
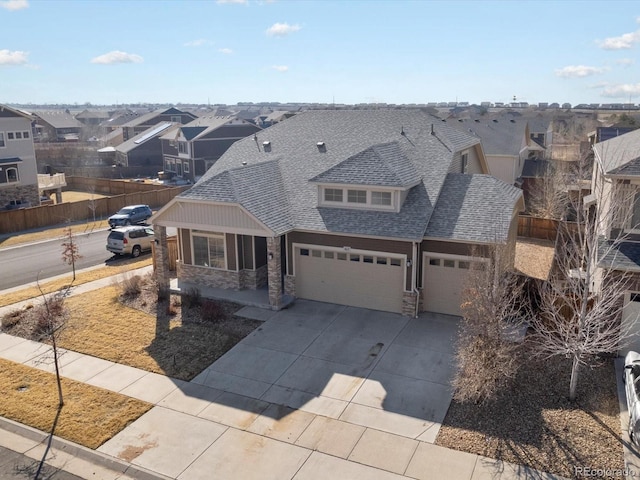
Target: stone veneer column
162,257
409,300
274,268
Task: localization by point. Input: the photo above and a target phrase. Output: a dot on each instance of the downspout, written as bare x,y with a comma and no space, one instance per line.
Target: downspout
414,278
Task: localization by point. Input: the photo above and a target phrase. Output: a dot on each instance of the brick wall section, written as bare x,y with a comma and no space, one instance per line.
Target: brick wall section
209,277
409,300
290,285
274,266
28,193
162,257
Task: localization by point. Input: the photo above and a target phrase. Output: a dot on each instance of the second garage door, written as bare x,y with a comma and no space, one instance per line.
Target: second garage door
443,282
357,278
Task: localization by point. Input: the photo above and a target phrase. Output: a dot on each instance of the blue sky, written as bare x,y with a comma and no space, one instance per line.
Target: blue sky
228,51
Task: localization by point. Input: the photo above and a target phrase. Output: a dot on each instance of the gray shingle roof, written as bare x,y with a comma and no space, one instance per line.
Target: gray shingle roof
383,165
623,256
200,127
144,137
618,151
473,208
499,137
274,185
59,119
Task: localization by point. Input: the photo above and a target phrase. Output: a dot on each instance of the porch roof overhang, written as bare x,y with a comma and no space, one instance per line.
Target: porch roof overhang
212,216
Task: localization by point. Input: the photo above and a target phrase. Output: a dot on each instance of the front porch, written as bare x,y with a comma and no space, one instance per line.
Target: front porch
251,298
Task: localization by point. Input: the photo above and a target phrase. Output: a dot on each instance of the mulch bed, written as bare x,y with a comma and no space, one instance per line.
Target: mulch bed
534,424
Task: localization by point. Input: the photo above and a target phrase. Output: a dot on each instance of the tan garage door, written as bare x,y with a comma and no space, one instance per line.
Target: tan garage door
362,279
631,318
443,282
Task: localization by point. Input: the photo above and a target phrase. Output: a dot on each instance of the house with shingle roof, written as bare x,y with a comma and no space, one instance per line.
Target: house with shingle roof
381,209
192,149
143,122
145,149
507,144
57,126
616,195
18,169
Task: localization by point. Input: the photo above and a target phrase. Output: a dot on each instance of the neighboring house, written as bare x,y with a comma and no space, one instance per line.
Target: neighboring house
506,144
18,171
266,120
381,209
145,149
92,117
118,119
148,120
190,150
616,192
57,126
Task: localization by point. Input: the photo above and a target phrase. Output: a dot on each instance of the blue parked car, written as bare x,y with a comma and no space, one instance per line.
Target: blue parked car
130,215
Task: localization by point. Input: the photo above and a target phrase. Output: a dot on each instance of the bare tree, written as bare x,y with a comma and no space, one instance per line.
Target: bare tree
92,203
486,352
548,197
70,251
581,304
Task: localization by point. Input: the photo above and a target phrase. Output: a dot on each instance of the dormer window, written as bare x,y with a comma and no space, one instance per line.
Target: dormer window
368,199
333,195
381,198
357,196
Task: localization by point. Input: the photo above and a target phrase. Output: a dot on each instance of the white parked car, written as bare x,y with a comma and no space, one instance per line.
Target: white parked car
631,379
131,240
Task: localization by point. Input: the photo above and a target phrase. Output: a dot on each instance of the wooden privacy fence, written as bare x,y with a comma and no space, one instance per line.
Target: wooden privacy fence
107,186
48,215
543,228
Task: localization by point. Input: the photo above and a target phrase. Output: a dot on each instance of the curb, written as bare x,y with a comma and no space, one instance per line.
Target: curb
81,452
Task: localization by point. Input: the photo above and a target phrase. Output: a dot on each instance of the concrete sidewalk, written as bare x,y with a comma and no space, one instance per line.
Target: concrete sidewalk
196,429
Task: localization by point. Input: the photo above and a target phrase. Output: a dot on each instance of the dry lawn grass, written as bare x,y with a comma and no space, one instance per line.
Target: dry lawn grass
160,343
90,415
116,268
534,257
49,233
77,196
534,424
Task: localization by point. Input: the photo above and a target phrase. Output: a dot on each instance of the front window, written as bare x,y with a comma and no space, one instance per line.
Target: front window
2,139
357,196
10,136
183,147
208,250
380,198
332,195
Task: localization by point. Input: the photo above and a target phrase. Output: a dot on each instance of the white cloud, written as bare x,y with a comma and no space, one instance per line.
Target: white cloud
622,91
13,5
7,57
282,29
117,57
625,62
280,68
237,2
573,71
198,43
226,51
622,42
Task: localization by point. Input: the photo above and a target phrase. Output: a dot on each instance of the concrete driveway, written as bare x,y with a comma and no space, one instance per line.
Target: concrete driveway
318,388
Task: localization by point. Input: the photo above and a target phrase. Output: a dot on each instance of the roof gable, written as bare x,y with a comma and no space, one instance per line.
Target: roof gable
383,165
618,151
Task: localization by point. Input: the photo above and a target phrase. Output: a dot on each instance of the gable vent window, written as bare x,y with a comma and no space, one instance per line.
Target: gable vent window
357,196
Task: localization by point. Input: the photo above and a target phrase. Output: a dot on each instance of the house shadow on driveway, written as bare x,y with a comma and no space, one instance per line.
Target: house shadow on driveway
366,367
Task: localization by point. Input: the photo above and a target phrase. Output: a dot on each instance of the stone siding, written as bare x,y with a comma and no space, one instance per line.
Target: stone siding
161,263
409,300
26,193
290,285
274,265
209,277
253,279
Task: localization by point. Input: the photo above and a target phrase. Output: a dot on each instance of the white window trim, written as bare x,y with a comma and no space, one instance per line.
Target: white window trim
6,173
187,146
358,206
185,167
348,250
199,233
3,140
